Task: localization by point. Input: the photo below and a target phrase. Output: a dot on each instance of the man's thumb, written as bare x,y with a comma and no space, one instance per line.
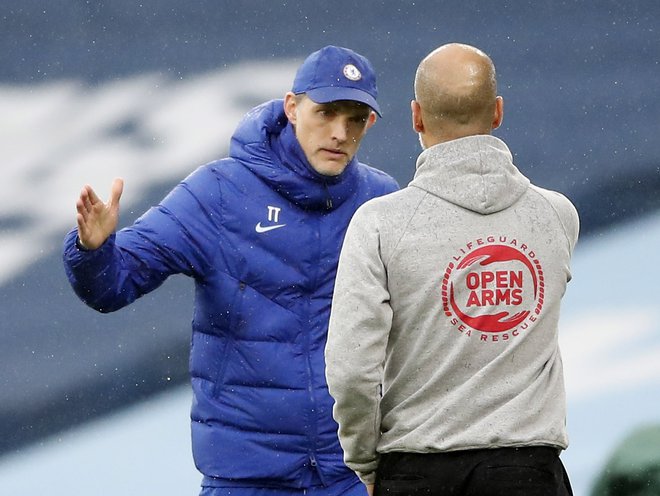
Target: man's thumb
116,191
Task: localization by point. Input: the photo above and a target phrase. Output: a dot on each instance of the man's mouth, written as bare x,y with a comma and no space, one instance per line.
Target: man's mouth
334,152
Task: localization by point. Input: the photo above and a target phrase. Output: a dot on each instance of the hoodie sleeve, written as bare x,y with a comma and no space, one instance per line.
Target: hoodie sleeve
360,322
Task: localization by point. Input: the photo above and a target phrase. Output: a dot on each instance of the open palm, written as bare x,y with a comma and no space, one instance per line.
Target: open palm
97,220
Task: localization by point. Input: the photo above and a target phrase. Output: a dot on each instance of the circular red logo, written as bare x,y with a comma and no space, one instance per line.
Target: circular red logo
495,287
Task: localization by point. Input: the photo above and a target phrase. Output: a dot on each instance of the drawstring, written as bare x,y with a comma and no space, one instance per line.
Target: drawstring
328,200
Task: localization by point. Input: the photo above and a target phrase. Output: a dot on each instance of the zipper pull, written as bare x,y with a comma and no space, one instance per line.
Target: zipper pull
328,200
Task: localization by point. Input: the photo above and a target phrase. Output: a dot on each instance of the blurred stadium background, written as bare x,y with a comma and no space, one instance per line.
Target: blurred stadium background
150,90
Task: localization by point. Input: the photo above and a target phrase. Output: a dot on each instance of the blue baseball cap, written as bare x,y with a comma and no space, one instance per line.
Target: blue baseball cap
335,73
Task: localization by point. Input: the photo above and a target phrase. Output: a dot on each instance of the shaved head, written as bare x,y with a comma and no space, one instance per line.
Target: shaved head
456,89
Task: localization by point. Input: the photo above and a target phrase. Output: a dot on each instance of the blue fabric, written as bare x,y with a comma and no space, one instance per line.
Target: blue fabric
352,487
336,73
260,233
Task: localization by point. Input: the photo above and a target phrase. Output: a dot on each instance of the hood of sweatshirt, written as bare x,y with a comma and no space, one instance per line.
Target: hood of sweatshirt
265,143
476,173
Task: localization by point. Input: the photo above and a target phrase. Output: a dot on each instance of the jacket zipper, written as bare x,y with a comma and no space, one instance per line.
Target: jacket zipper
313,434
328,199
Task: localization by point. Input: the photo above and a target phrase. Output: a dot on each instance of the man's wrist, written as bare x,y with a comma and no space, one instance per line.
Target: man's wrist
80,245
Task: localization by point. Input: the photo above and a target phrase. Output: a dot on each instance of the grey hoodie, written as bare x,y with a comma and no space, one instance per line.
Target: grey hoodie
444,323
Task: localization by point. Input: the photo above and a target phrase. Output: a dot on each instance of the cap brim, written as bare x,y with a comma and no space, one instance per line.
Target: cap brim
336,93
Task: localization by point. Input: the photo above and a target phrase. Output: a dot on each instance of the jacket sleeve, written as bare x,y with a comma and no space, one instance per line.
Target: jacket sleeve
166,240
360,322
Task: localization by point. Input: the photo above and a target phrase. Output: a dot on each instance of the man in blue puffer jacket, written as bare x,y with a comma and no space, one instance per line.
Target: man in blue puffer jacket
260,233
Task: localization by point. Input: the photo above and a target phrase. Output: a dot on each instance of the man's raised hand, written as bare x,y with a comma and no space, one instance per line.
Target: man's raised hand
97,220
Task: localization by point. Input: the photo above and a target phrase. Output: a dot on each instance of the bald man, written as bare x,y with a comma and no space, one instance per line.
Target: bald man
442,352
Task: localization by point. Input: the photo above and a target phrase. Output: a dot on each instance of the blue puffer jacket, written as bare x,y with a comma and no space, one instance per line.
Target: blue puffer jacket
260,233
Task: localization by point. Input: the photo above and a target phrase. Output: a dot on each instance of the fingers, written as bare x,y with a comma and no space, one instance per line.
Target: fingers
88,197
82,226
91,194
84,204
96,220
84,230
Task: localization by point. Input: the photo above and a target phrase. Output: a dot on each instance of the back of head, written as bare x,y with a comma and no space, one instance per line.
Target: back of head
456,89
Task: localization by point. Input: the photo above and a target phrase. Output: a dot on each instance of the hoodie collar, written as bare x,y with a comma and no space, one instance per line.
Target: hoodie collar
476,172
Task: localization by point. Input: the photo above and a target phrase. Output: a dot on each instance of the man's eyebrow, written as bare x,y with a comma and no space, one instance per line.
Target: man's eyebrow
349,106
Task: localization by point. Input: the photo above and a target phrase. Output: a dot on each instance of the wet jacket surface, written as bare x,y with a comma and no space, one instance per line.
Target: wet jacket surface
260,233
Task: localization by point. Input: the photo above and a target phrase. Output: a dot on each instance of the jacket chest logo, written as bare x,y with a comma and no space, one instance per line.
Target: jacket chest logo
273,220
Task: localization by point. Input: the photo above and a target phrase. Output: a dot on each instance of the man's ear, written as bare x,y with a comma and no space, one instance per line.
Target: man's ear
290,107
371,120
498,114
417,122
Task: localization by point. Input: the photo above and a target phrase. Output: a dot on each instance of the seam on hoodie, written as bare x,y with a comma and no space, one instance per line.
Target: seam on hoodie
561,221
404,230
482,176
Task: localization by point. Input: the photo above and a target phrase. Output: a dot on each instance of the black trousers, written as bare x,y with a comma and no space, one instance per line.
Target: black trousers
535,471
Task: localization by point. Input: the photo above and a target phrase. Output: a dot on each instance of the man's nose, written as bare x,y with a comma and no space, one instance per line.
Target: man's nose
340,129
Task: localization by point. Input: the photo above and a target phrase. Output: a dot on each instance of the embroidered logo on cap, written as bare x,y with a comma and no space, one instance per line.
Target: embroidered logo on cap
351,72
